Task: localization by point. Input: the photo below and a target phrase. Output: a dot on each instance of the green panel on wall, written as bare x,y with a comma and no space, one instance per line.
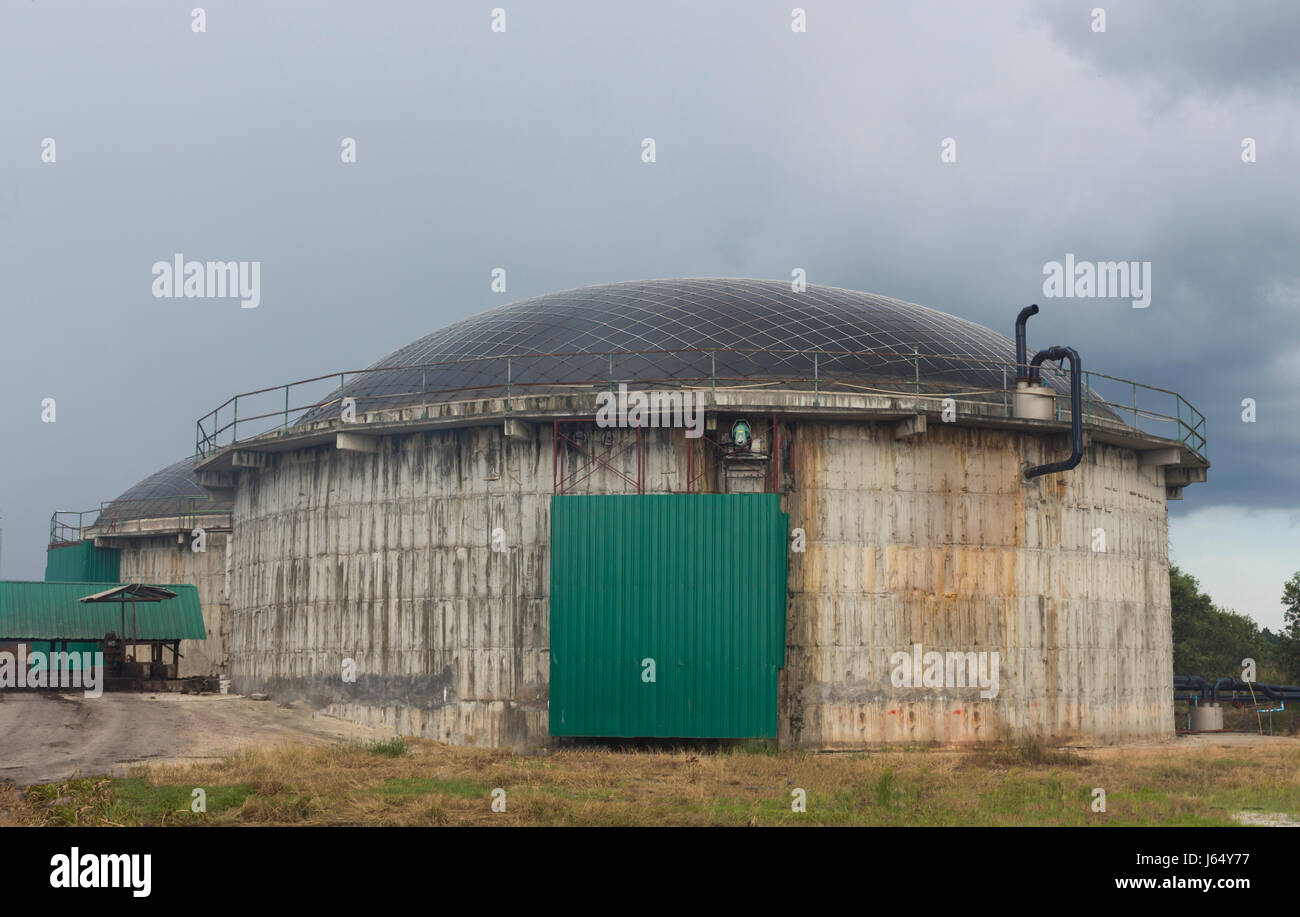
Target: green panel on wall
73,648
81,562
694,582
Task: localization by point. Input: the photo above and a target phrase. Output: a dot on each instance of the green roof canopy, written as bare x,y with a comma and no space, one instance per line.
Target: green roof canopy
131,592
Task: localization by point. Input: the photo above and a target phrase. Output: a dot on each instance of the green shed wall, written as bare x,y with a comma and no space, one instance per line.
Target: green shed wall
81,562
53,611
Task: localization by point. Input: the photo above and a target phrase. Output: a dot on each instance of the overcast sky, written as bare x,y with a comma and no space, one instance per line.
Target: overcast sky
522,150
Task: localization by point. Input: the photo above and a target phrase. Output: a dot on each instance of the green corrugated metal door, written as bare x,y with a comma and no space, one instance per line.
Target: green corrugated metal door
667,615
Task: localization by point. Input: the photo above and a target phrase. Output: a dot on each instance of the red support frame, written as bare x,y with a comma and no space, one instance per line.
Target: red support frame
563,482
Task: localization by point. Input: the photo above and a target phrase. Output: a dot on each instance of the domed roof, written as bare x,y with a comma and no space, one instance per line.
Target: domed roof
172,491
705,331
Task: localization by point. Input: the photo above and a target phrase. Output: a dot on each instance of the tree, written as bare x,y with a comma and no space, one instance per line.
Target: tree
1291,618
1210,641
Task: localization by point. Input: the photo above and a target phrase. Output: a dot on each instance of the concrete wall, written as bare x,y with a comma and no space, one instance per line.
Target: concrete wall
386,559
162,560
935,540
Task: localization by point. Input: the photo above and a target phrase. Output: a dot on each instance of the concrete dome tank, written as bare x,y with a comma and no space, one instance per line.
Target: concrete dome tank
402,525
152,525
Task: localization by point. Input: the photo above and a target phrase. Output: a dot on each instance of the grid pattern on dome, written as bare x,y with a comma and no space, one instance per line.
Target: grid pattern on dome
171,491
758,329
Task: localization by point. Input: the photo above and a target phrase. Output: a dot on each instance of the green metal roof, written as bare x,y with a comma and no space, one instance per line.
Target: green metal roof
54,611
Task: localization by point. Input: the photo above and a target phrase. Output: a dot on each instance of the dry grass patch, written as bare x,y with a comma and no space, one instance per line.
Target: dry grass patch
419,782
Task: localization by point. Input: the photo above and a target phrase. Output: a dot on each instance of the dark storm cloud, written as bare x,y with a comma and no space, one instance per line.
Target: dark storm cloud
1187,47
1222,234
522,151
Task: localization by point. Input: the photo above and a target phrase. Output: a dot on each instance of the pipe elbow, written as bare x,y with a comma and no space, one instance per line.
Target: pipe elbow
1021,346
1076,408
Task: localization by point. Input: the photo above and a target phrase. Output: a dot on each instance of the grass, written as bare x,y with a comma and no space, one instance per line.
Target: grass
419,782
1029,751
390,748
129,801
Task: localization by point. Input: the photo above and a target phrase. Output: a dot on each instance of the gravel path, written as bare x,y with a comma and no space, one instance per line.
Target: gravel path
49,736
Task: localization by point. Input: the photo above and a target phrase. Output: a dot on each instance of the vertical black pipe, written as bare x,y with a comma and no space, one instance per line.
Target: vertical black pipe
1022,349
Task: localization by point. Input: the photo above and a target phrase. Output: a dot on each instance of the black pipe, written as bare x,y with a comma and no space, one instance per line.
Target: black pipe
1214,692
1268,691
1022,350
1229,689
1232,687
1076,408
1192,682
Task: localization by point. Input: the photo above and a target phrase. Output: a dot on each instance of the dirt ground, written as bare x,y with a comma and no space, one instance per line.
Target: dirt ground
1194,740
306,768
46,737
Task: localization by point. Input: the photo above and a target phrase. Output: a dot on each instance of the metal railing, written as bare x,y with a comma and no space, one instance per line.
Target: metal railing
1150,409
68,525
1123,397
